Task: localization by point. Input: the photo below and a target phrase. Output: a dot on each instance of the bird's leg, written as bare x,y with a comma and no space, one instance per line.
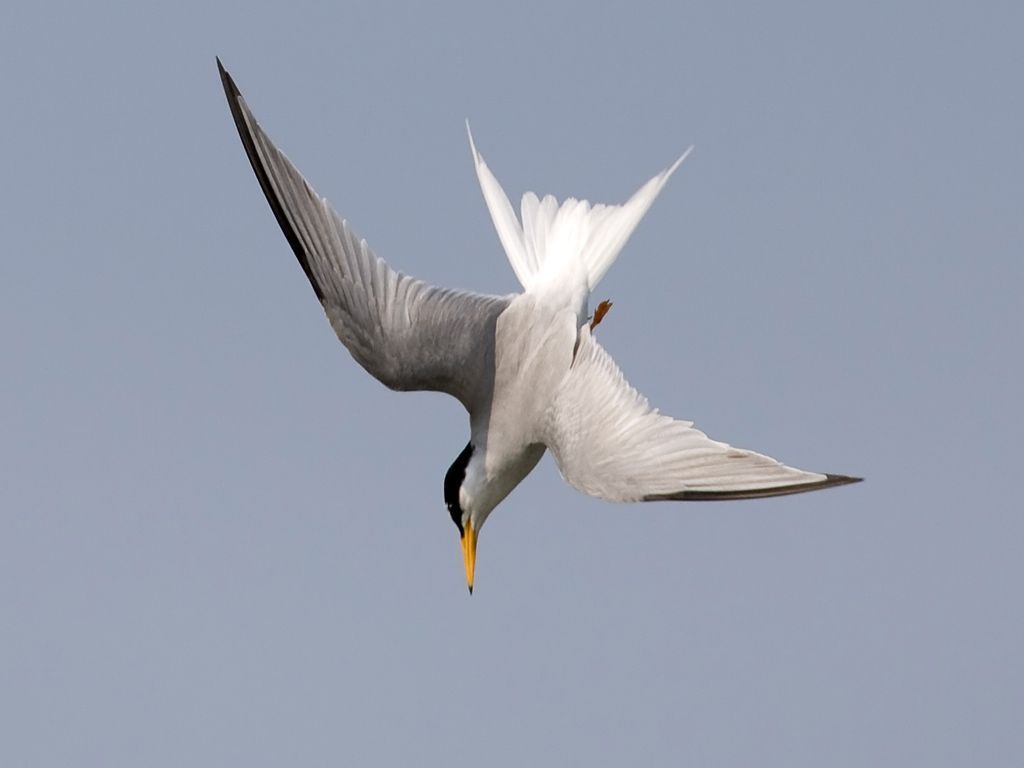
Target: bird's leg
599,313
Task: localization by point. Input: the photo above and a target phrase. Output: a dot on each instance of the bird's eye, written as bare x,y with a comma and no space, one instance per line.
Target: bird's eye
456,515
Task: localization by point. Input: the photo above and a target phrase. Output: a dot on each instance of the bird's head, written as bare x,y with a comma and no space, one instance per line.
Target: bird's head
468,509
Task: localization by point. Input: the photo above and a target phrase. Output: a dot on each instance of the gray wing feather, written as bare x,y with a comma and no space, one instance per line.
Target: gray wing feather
406,333
609,442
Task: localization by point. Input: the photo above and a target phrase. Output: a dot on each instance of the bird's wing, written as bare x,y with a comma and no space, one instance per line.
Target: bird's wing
406,333
610,443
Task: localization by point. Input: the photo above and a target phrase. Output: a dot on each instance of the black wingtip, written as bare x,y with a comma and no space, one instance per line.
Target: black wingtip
241,117
843,480
830,481
230,89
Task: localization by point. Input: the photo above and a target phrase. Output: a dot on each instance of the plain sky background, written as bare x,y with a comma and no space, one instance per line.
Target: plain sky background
222,543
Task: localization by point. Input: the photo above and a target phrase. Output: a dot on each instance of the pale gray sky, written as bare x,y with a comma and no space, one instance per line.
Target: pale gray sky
222,543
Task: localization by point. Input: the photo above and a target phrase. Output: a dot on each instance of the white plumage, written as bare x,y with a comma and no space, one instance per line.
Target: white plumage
526,367
555,239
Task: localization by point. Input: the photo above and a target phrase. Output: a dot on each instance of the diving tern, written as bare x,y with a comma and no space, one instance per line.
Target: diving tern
526,366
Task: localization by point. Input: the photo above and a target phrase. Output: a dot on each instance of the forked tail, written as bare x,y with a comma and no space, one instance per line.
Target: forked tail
555,237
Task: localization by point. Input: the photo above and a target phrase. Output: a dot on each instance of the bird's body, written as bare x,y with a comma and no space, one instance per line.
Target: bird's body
526,367
534,340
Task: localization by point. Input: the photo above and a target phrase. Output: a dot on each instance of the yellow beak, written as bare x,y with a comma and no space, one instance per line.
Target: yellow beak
469,553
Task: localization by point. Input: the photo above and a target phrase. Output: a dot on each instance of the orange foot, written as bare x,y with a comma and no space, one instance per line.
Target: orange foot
599,313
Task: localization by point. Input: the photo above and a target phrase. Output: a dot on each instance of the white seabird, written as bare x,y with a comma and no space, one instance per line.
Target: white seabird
526,367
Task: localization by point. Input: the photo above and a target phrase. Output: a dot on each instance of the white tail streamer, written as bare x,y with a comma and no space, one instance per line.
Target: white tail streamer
552,236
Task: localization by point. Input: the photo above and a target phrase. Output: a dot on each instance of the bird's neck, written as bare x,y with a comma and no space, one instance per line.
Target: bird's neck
490,478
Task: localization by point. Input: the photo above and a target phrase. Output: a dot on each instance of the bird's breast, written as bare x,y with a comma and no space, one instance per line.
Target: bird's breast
534,343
